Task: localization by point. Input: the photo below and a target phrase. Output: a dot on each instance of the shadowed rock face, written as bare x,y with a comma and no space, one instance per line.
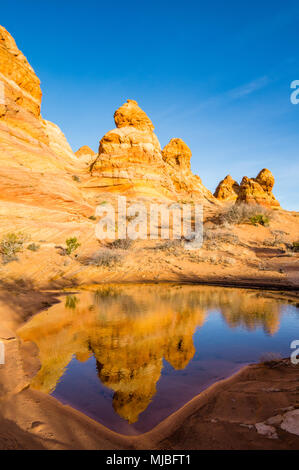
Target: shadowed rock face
130,160
227,190
258,190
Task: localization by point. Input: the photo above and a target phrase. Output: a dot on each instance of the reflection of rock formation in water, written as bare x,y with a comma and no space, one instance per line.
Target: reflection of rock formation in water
130,329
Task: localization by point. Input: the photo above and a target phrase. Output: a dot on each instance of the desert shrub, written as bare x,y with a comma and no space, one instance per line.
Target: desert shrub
11,244
218,235
260,219
33,247
92,217
71,245
71,301
122,244
76,178
246,213
169,245
278,238
295,247
104,257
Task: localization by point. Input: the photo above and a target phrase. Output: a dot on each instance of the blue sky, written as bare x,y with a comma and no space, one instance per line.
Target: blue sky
217,74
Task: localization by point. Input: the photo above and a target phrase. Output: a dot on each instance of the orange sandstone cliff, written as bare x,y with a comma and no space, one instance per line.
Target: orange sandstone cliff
130,160
251,190
36,160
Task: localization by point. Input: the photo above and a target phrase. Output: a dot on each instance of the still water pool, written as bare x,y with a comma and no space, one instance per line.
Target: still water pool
130,355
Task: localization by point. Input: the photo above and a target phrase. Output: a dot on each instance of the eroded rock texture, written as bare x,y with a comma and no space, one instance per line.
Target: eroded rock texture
130,160
36,159
227,190
258,190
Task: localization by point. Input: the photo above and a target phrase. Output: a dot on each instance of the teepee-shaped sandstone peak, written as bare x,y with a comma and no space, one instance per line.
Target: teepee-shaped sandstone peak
227,190
130,114
177,154
84,151
258,190
266,180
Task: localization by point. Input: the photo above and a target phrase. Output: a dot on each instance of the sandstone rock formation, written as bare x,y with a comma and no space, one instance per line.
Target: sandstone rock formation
227,190
130,160
85,151
258,190
177,155
36,160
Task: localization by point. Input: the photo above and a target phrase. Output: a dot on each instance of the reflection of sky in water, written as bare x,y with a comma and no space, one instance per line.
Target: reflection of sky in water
140,353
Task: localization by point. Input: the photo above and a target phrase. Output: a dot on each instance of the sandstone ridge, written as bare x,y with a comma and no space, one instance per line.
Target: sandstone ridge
36,160
251,190
131,160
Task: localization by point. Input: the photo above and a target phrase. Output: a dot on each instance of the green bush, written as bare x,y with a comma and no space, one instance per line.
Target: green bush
33,247
11,244
245,213
71,245
260,219
71,301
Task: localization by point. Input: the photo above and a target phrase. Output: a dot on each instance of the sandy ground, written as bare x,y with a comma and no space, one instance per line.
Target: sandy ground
231,414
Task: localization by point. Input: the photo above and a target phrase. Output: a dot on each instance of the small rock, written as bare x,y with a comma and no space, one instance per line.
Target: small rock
266,430
249,426
275,420
291,422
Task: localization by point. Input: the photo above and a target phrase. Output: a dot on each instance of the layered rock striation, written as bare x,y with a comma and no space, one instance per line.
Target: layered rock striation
36,159
258,190
250,191
227,190
131,160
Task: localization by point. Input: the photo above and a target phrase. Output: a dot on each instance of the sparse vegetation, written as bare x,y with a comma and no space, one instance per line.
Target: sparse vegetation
92,217
76,178
278,238
212,237
104,257
170,245
71,245
71,301
122,244
246,213
33,247
260,219
11,244
295,247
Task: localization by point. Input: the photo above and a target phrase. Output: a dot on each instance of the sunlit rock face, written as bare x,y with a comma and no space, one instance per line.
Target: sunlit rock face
258,190
130,160
177,155
85,151
130,332
227,190
34,154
